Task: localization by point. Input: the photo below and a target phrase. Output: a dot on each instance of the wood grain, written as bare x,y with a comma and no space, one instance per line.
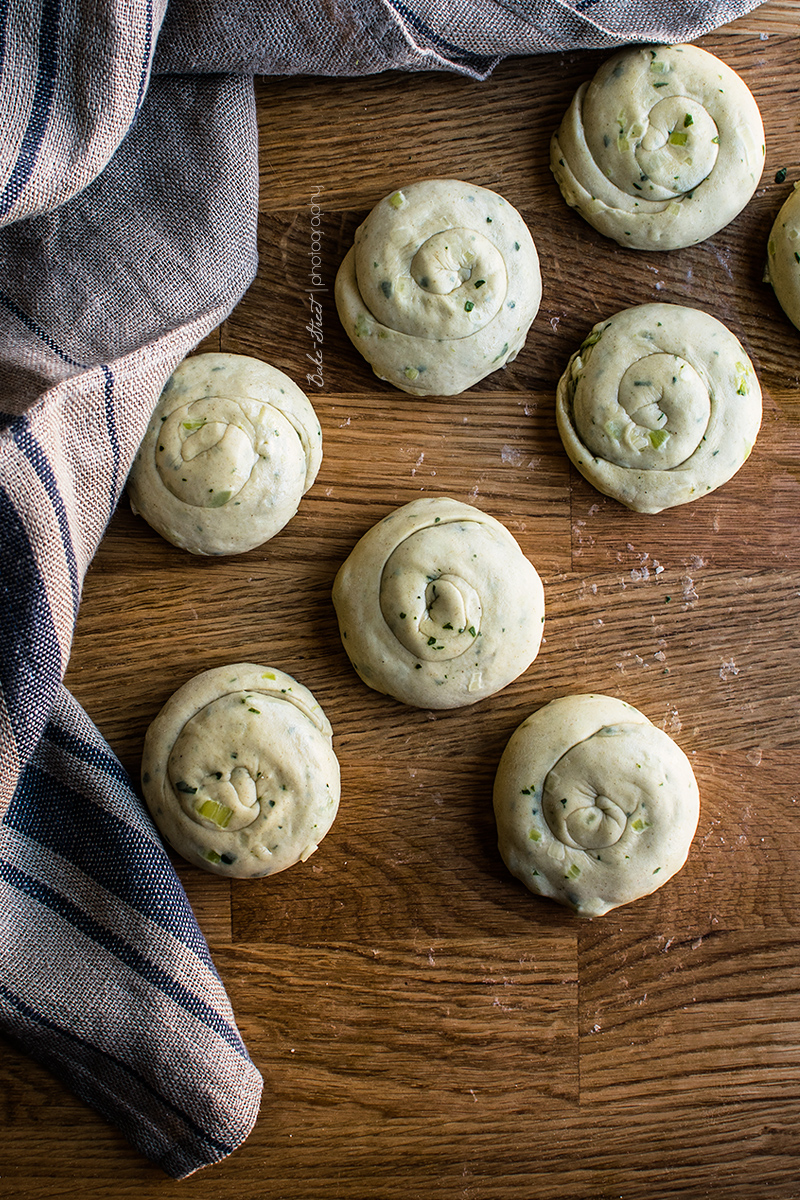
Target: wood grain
426,1028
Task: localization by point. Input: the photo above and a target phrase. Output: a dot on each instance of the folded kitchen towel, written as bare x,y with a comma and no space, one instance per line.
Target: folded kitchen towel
128,206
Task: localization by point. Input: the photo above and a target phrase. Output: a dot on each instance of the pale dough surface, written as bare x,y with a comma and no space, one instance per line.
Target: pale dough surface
595,806
230,450
239,771
440,287
659,406
438,606
783,264
661,149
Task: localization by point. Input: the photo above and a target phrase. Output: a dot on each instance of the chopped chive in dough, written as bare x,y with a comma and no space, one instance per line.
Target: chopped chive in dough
219,499
502,352
480,282
220,814
468,307
402,616
688,120
182,786
386,288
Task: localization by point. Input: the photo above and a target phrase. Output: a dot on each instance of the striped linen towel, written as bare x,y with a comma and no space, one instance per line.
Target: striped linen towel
128,202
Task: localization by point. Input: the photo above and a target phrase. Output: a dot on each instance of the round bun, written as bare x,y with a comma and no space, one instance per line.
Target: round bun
595,806
661,149
230,450
783,263
659,406
239,772
440,287
438,606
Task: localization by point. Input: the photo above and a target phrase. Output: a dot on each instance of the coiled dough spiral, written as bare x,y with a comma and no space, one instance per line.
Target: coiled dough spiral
783,256
661,149
440,287
595,806
229,452
239,772
659,406
438,606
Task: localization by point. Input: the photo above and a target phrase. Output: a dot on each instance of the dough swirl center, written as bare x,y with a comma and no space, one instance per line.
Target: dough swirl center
597,787
429,605
654,419
208,440
223,766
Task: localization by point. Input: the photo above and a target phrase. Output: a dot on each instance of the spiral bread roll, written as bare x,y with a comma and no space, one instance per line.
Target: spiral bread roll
239,772
595,806
229,452
783,257
438,606
661,149
659,406
440,287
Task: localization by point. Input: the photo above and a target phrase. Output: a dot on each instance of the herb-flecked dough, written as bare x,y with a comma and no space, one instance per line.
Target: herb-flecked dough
239,771
595,806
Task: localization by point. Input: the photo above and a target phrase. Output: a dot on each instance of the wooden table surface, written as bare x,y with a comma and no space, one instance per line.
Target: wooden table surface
426,1028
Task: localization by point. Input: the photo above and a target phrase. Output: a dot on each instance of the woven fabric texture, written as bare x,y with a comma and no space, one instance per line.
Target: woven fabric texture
128,205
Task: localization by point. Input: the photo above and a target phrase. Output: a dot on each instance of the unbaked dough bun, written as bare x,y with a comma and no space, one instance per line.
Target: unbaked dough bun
659,406
239,772
438,606
783,257
230,450
440,287
595,806
661,149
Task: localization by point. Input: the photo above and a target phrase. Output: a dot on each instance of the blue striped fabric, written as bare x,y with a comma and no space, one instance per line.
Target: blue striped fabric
107,280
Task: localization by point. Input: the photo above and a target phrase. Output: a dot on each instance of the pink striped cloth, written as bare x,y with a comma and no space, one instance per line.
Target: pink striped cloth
128,203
